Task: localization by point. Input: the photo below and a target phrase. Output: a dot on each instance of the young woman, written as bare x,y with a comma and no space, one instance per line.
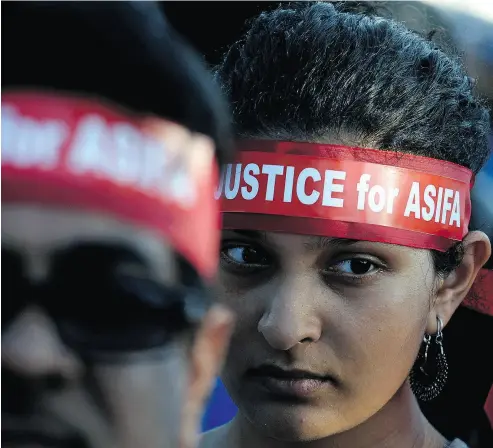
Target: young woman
345,247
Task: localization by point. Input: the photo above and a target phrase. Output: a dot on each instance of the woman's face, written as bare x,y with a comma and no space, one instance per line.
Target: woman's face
327,329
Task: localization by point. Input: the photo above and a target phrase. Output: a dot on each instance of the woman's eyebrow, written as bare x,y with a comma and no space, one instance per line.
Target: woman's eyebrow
322,242
315,243
253,234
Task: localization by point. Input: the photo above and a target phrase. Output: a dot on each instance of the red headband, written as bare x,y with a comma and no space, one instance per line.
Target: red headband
354,193
81,153
343,192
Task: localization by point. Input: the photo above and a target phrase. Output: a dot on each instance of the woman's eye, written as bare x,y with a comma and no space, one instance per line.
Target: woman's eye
247,256
355,267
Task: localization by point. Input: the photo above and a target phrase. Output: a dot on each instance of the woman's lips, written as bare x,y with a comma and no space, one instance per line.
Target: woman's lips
292,387
289,383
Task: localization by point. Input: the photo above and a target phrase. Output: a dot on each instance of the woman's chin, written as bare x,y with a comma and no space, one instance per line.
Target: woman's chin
294,425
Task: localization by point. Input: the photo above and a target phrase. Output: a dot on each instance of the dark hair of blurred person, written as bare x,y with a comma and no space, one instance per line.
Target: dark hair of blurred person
109,338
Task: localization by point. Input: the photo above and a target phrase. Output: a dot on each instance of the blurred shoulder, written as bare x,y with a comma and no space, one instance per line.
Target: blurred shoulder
457,444
217,438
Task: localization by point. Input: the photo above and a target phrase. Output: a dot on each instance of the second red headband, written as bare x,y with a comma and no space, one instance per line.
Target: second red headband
342,192
79,152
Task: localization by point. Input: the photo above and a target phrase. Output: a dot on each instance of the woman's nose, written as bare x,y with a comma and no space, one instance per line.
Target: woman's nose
290,317
31,347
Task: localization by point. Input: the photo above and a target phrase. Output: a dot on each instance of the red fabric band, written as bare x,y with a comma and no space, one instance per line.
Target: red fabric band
81,153
342,192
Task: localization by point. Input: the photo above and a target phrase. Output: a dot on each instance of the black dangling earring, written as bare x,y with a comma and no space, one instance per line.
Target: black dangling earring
426,384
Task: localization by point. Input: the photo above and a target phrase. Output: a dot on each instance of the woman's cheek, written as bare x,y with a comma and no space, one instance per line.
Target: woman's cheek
387,334
241,293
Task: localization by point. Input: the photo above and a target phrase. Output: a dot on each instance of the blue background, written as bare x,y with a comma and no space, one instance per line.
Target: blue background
220,409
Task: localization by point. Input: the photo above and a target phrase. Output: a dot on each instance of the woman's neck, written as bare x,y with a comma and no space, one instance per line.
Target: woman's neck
399,423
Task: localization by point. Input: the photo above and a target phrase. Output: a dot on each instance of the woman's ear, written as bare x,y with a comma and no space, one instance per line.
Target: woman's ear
207,354
453,289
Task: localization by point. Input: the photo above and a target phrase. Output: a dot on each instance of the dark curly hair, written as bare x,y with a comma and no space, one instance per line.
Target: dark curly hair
315,71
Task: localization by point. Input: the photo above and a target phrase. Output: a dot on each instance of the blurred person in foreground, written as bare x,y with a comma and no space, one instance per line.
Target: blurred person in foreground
111,138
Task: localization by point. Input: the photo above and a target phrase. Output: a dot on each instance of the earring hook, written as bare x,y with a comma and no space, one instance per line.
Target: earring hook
439,335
